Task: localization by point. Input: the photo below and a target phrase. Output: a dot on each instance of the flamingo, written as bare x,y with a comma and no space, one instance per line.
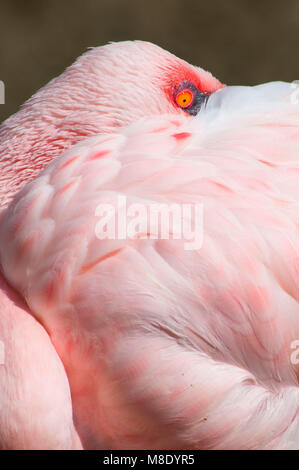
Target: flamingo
136,342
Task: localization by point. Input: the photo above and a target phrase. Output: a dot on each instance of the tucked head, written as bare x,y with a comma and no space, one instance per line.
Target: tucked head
135,79
105,88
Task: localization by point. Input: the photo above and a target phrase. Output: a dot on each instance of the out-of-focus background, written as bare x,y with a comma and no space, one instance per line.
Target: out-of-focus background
239,41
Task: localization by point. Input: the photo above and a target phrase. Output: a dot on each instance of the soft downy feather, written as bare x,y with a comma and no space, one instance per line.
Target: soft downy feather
164,347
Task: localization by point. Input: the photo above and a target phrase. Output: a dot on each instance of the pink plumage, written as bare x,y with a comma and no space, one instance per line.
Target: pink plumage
152,345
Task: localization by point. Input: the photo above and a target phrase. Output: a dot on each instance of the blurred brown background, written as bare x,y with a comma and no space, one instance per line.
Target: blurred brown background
240,41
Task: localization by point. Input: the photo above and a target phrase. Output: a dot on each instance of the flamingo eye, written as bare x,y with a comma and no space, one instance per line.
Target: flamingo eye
188,97
184,99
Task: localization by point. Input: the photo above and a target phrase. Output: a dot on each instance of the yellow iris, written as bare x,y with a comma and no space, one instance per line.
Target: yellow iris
184,98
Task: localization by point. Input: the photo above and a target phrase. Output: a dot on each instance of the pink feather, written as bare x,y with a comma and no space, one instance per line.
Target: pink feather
162,347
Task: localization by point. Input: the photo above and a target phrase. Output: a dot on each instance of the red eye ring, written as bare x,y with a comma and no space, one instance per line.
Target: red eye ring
184,99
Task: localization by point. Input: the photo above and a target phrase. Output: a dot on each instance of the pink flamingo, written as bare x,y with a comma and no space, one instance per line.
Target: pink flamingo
140,343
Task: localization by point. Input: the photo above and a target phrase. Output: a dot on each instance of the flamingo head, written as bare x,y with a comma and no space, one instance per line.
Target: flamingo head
105,88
